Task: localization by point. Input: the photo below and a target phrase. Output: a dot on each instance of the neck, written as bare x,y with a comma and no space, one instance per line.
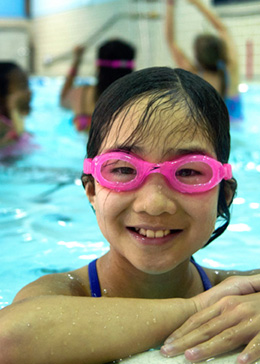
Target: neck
121,279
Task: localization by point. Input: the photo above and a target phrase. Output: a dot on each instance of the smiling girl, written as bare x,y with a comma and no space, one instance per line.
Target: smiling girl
158,179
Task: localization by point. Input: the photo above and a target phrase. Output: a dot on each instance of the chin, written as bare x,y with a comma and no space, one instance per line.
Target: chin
157,268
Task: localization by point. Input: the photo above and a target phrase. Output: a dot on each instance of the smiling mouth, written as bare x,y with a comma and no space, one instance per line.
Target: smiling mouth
154,233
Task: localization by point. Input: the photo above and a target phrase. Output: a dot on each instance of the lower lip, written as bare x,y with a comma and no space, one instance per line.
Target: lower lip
144,240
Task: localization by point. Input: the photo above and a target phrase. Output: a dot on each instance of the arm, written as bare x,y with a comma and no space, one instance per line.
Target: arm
54,323
65,329
212,18
227,38
231,322
68,85
178,55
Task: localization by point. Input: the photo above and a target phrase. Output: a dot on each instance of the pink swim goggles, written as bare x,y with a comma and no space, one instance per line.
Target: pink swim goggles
120,171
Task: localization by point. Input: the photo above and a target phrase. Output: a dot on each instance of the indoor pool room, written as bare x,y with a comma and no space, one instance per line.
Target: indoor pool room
53,53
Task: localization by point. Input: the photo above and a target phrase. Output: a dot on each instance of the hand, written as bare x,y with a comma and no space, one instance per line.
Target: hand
78,52
170,2
194,2
229,323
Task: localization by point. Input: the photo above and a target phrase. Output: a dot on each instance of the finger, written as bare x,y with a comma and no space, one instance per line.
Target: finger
241,307
251,353
194,322
202,334
228,340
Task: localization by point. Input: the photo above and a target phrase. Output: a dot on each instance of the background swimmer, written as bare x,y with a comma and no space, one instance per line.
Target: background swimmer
115,59
15,99
216,58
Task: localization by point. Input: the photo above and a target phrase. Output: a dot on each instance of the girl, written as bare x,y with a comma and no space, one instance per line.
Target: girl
115,59
15,98
216,58
158,178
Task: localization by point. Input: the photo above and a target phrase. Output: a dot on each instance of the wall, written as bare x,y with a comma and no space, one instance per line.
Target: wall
14,33
57,29
57,33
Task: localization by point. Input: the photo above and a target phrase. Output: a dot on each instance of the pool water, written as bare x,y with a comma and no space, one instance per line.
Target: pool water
47,225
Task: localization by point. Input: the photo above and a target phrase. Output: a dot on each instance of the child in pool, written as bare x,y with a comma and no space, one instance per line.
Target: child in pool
15,99
158,178
216,58
115,59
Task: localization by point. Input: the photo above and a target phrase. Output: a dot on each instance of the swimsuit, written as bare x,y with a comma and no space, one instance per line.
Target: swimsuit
15,145
234,102
82,121
95,285
93,279
204,278
10,134
235,109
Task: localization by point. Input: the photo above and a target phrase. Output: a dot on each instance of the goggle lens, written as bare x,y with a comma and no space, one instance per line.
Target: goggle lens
118,171
191,173
194,173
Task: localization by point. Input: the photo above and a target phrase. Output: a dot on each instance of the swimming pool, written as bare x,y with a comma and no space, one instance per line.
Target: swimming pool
47,225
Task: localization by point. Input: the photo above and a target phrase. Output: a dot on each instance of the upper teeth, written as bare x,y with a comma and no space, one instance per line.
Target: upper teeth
152,233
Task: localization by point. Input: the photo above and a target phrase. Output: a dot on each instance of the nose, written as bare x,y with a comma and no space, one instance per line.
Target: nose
155,197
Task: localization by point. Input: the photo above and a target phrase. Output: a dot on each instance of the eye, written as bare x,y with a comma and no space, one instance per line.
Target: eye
194,173
187,172
123,170
118,171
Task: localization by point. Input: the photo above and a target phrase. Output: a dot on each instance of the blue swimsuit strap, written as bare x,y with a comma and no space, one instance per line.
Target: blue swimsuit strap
204,278
95,285
93,279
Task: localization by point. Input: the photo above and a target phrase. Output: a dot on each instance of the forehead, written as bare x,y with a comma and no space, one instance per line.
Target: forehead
144,126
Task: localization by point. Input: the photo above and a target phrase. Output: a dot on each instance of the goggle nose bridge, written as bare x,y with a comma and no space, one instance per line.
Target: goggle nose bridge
158,168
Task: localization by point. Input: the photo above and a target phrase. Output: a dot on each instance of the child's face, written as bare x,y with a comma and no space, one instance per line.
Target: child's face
155,227
19,95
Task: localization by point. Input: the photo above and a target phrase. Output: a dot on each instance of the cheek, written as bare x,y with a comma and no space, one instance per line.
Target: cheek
19,100
203,208
108,204
209,211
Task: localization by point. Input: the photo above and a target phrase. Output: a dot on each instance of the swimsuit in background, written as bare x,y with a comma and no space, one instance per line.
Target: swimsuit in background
11,134
95,285
234,106
16,145
82,121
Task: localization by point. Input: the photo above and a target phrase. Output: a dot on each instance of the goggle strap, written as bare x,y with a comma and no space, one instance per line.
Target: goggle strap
87,167
227,171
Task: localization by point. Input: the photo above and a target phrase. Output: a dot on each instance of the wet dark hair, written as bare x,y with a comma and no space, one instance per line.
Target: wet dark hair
5,69
113,50
171,90
211,55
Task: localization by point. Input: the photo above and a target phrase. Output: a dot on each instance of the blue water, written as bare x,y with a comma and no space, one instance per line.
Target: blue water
47,225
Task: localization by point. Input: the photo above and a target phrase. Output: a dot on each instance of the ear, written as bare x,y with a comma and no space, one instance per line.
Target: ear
230,187
91,193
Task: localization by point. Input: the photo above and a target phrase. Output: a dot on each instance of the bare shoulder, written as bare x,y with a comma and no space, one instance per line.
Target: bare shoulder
217,275
73,283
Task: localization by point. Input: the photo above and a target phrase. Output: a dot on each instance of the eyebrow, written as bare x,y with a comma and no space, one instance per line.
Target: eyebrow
185,151
171,151
126,148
